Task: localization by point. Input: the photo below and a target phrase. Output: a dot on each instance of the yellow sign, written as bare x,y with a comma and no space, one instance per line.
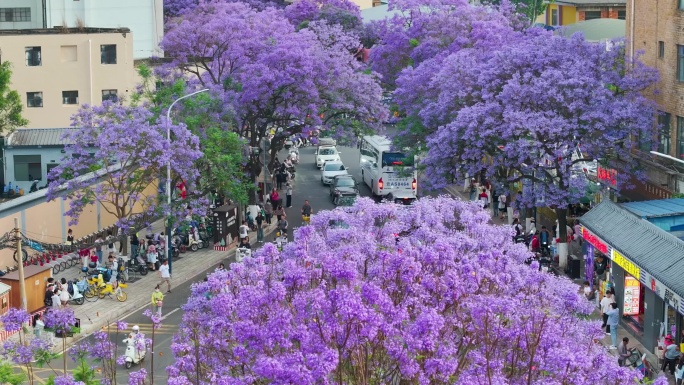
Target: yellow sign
626,264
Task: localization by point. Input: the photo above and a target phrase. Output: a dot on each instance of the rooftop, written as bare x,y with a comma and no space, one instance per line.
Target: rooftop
36,137
592,3
656,208
61,31
596,30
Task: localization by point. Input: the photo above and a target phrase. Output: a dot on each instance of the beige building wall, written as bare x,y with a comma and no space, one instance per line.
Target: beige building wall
363,4
47,223
68,62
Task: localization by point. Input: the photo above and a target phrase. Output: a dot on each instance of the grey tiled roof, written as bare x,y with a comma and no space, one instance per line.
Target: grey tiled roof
656,251
37,137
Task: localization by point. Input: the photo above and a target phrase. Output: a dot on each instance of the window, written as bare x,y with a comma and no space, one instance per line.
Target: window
108,54
33,56
664,132
27,168
622,15
15,14
680,137
680,63
554,17
591,15
69,97
34,99
661,49
681,4
109,95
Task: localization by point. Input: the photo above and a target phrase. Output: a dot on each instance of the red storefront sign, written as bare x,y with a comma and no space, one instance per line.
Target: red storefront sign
607,175
594,241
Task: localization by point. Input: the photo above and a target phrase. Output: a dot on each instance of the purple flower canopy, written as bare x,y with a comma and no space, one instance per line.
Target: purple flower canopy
380,293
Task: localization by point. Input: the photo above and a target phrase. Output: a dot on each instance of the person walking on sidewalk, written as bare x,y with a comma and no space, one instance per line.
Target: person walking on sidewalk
671,357
679,371
260,227
623,352
275,199
605,306
613,319
288,195
280,213
502,205
243,231
157,300
268,210
165,275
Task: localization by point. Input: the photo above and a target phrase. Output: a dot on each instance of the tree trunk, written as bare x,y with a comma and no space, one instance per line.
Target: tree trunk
562,215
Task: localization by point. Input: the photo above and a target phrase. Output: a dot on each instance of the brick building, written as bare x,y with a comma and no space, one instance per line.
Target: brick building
565,12
654,28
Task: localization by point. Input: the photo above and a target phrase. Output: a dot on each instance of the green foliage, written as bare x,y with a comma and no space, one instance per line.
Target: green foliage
222,161
85,373
10,103
414,43
8,376
530,8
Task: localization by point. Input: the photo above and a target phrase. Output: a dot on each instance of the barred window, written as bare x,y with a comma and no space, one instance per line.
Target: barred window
15,14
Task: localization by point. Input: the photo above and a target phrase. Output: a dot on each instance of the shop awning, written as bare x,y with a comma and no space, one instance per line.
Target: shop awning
656,251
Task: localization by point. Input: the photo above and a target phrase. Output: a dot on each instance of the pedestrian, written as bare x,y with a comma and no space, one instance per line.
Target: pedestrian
502,205
56,302
605,307
623,352
63,292
157,300
472,189
69,238
282,225
275,198
135,245
260,227
38,325
165,275
243,231
671,356
586,290
221,267
268,209
679,371
98,248
113,267
281,177
613,319
152,257
484,198
288,195
280,213
110,244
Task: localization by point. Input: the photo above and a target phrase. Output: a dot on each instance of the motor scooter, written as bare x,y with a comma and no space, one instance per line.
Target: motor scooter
134,355
294,156
76,297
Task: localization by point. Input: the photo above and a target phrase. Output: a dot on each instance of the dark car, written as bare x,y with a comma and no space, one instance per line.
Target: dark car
343,190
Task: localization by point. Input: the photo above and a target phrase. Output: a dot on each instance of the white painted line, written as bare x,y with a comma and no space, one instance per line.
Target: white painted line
169,313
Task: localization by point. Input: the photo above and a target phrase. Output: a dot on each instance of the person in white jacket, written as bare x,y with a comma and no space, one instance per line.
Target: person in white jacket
679,371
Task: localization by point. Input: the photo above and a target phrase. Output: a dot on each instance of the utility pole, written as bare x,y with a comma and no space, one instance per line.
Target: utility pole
20,258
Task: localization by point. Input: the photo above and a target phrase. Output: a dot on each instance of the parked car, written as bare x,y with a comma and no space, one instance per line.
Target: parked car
330,170
327,154
343,188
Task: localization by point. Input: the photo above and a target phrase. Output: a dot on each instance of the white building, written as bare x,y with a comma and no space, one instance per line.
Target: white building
144,18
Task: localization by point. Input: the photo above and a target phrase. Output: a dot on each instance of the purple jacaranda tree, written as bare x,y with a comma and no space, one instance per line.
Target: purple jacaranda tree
335,12
270,75
61,321
521,112
382,293
424,30
24,351
115,157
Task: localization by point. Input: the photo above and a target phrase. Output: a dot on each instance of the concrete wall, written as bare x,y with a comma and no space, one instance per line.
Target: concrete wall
144,18
46,221
69,62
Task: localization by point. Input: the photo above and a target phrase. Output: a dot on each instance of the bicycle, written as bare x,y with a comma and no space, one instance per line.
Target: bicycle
24,255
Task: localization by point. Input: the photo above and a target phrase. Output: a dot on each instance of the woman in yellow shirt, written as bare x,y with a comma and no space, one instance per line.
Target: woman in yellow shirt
157,300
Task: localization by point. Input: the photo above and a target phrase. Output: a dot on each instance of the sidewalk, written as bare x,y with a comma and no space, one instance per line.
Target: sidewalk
457,192
94,315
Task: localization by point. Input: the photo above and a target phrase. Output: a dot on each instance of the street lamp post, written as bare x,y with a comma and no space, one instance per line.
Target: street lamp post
168,175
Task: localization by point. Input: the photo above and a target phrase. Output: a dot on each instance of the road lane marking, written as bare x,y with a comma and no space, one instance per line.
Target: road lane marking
169,313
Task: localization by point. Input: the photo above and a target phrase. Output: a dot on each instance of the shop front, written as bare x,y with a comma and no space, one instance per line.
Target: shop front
645,268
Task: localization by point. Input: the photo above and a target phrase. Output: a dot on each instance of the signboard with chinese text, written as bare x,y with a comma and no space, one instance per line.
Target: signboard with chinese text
629,267
662,291
594,240
632,296
607,175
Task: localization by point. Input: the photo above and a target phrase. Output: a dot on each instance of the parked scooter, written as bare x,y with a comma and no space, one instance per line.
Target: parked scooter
241,253
134,354
75,295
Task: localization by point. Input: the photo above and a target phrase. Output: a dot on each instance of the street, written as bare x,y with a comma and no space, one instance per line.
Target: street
307,186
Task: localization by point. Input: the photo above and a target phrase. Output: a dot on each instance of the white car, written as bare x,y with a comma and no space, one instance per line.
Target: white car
327,154
330,170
